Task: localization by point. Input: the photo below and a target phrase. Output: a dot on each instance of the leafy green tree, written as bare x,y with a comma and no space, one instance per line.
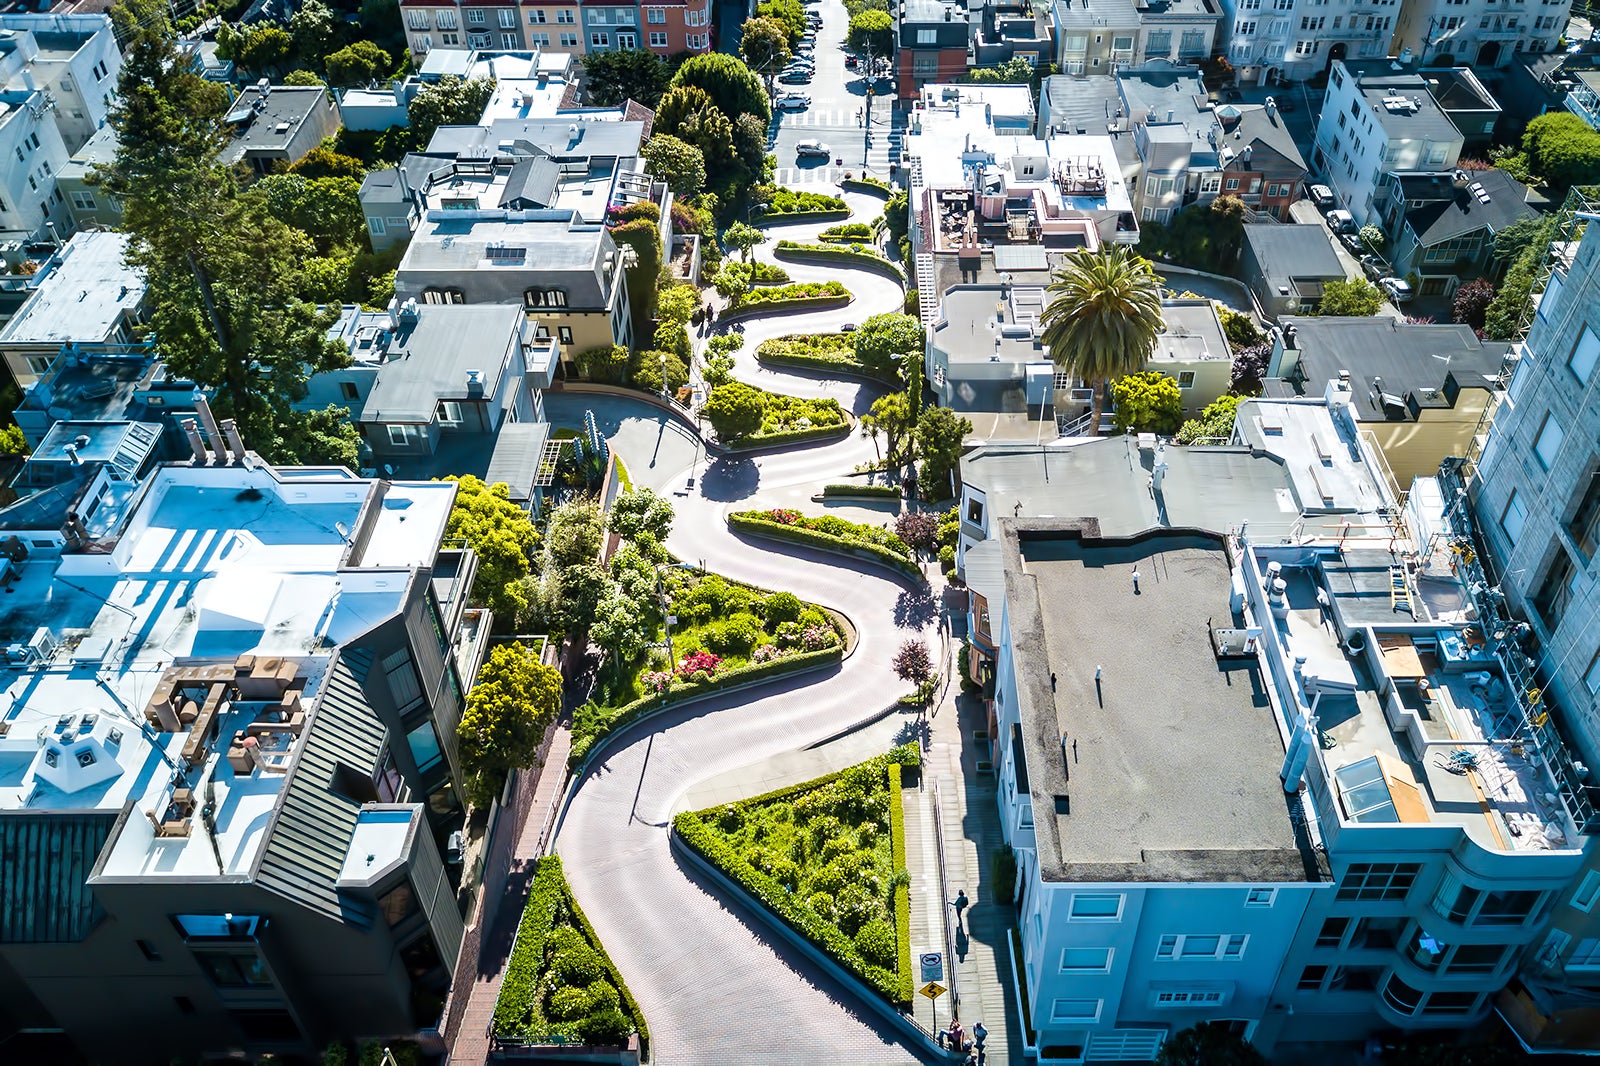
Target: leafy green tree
12,442
314,31
319,438
502,536
574,535
325,163
648,367
620,626
303,78
884,342
129,17
789,15
1208,1044
941,436
1239,328
677,303
743,237
1359,298
672,160
643,268
1372,237
892,415
625,74
871,32
448,102
1014,71
735,410
1147,402
1511,242
692,116
606,365
514,701
639,512
1103,317
570,595
222,269
732,86
1503,319
765,44
1214,422
1562,150
897,220
358,63
258,49
380,21
328,210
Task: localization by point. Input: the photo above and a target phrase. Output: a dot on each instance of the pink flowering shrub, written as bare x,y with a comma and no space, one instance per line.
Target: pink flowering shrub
815,638
699,662
784,516
656,680
766,653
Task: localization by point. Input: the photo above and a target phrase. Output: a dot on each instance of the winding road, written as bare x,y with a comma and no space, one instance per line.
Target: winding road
714,986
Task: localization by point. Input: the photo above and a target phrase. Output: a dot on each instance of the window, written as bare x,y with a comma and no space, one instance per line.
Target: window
1186,998
1186,379
508,19
476,18
449,413
1355,978
1476,958
398,904
536,18
1306,48
564,334
399,436
424,744
600,40
544,298
83,201
1194,43
1453,899
657,39
569,40
1261,897
927,36
1158,43
39,364
417,20
1378,881
234,969
1451,1003
376,224
656,16
624,17
218,926
1584,355
1400,996
1586,956
1231,184
1514,517
1122,44
1311,978
510,41
565,15
627,40
1075,1010
1508,907
1086,960
1558,588
1591,678
451,39
1201,946
402,676
1332,932
443,296
1087,907
539,40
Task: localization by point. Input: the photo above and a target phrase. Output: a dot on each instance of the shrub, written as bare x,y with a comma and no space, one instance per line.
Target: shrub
735,636
577,965
847,232
1003,872
803,290
782,607
912,662
1148,402
793,201
917,528
699,662
607,1028
830,533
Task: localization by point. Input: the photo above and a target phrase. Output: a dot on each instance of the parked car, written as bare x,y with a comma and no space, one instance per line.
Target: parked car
1397,289
1354,242
1342,222
791,76
848,327
1321,195
792,102
812,148
1374,267
802,63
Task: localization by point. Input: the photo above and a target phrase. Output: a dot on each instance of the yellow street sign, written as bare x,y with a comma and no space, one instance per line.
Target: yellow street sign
933,990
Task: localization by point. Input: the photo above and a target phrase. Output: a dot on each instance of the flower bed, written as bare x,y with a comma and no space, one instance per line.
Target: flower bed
845,233
826,352
826,858
787,436
859,255
785,414
767,273
559,985
799,290
726,634
867,184
831,533
796,201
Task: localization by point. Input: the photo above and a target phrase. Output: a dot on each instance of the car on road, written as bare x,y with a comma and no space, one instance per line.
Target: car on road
1342,222
848,327
1321,195
812,148
1354,242
1397,289
792,102
792,76
1374,267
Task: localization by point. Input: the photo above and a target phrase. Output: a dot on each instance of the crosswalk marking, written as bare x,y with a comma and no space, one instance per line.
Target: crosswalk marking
832,117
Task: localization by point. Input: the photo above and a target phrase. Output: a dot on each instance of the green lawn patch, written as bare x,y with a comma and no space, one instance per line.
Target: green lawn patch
824,857
727,634
831,533
560,986
867,184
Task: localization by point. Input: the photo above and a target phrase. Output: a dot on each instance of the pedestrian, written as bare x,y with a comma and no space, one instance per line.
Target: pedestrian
957,1041
959,903
1135,579
979,1035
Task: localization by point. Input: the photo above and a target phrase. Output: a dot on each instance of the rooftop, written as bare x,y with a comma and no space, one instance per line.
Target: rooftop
1123,14
1144,772
1078,105
1458,89
99,150
1396,368
543,242
431,356
1492,200
268,122
1402,106
123,649
1193,334
87,298
1291,255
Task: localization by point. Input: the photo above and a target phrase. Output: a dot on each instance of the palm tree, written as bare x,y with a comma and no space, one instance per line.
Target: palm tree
1103,318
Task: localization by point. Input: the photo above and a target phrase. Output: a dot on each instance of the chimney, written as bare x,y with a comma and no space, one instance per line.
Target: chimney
475,384
1272,107
76,535
191,430
27,79
219,447
230,429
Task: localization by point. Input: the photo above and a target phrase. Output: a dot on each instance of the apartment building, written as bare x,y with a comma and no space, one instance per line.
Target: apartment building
1479,33
224,823
1192,151
73,58
933,39
1368,847
1447,223
276,125
1008,29
665,28
1376,122
88,203
1282,41
1107,36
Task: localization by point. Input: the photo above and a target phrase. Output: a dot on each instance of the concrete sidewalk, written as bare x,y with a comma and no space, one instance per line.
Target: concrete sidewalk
984,982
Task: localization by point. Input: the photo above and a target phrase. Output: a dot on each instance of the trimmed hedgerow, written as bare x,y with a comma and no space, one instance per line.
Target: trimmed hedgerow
797,201
560,985
831,534
859,255
787,436
800,290
902,884
887,492
821,856
867,184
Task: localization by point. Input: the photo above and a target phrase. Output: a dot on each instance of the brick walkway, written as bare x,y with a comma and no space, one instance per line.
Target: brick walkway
472,1044
971,822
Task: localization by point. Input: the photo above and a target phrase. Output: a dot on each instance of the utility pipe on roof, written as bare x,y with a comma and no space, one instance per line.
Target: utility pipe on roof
219,446
197,445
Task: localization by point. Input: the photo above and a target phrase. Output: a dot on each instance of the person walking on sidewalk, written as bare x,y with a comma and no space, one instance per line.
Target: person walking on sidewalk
979,1035
960,904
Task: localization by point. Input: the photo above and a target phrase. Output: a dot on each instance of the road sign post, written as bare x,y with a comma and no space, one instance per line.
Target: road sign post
933,990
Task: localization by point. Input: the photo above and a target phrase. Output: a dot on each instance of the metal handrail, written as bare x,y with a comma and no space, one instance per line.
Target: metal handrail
944,905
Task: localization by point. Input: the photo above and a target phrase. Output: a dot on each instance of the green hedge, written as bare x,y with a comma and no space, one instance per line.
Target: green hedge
799,290
841,363
887,492
826,215
902,892
787,201
820,253
628,1002
787,436
631,712
804,303
867,185
519,989
827,542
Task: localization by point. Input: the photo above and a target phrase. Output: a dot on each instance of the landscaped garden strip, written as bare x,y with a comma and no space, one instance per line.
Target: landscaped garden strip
830,533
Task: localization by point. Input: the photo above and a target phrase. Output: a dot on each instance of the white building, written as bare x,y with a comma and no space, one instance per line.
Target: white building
1377,122
74,59
1478,33
1286,40
89,299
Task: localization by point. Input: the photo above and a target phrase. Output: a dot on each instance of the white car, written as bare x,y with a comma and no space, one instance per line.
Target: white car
792,102
813,148
1342,222
1398,289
